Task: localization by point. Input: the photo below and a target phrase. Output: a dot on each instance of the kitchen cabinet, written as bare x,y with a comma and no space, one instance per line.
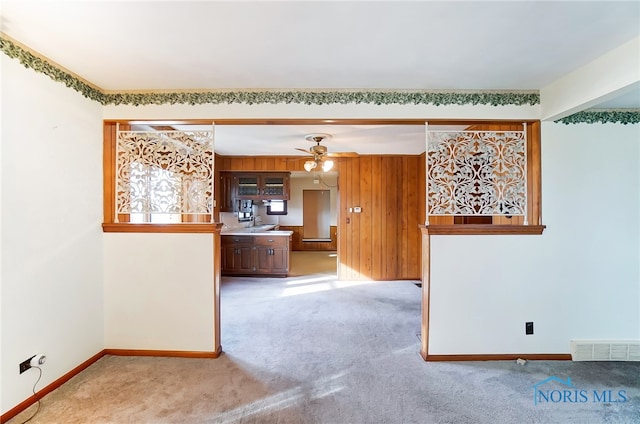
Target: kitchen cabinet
272,254
227,189
237,255
262,185
235,186
255,255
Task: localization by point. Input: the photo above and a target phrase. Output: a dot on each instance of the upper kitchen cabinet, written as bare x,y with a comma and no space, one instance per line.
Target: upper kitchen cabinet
227,188
262,185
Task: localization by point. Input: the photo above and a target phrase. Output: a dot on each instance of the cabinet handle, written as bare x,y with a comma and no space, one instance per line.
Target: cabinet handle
270,240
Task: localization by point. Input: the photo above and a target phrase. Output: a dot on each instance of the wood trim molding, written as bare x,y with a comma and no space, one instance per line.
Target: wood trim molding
162,228
217,272
164,353
502,357
426,293
51,387
483,229
307,121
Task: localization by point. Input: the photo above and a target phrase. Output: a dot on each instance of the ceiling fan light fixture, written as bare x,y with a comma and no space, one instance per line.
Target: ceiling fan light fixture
310,165
327,165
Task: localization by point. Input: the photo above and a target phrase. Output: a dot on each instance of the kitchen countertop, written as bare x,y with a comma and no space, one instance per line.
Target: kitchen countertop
258,230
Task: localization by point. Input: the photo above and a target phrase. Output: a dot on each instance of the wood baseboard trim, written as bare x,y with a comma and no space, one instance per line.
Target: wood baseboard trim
48,389
501,357
164,353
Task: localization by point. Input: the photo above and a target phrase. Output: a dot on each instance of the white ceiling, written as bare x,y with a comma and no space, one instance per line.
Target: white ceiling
430,45
284,139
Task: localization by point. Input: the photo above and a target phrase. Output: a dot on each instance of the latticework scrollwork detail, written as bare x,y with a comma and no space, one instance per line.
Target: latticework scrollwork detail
477,173
164,172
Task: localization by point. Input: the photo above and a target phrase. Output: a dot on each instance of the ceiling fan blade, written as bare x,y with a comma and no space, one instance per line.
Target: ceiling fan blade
304,150
342,154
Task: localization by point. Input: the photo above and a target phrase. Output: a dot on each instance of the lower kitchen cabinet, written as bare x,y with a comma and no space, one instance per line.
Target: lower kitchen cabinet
255,255
237,254
272,254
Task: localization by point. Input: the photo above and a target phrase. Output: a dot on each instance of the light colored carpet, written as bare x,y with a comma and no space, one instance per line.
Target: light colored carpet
310,349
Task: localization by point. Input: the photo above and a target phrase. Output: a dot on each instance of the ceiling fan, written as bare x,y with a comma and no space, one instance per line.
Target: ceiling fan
320,152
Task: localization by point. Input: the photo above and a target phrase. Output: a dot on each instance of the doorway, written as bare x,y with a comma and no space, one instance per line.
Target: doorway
316,215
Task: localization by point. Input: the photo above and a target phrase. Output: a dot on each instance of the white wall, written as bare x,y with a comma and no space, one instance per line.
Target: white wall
300,182
50,237
579,280
158,291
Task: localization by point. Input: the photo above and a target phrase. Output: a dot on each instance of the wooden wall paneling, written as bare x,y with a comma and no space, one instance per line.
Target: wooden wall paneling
534,166
271,163
402,223
392,215
386,186
440,220
356,228
412,217
258,163
377,191
355,219
109,168
290,164
108,164
365,217
340,221
343,227
248,164
407,191
350,239
505,220
225,163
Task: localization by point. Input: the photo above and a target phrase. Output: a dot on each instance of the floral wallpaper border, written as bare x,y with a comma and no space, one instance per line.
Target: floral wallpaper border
594,116
307,97
321,97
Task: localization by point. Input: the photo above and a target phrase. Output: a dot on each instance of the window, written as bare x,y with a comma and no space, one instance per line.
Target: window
277,207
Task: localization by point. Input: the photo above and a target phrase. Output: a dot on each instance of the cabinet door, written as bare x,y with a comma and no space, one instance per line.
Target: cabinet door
246,260
279,260
263,259
227,192
229,262
236,255
274,186
247,186
272,254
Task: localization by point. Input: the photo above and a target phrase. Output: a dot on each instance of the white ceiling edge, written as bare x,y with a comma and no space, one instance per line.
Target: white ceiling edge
585,88
619,100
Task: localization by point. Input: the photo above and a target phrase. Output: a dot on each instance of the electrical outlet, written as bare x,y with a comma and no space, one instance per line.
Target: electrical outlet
528,328
26,364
